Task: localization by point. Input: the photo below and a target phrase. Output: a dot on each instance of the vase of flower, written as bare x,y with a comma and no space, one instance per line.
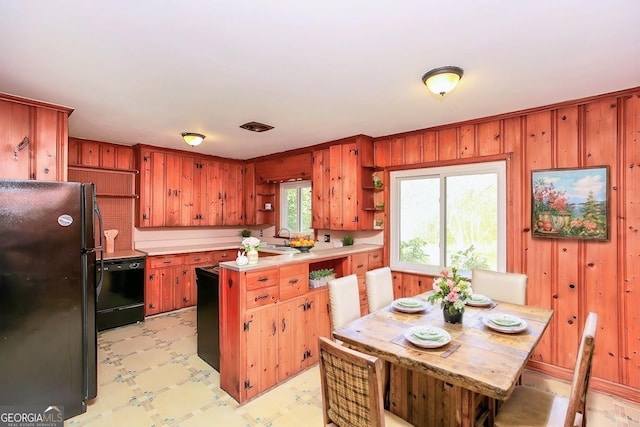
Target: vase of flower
252,256
452,314
251,245
451,291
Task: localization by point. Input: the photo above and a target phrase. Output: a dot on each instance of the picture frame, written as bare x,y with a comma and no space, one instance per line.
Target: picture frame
570,203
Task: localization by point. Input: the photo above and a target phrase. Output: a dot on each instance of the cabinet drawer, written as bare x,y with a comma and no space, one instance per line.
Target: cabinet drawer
225,255
262,296
262,279
359,263
199,258
294,281
164,261
375,259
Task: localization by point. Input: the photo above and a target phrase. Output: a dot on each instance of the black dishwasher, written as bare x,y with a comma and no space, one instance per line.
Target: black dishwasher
121,299
208,313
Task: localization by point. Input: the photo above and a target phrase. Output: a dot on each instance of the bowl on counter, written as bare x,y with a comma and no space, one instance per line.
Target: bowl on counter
303,248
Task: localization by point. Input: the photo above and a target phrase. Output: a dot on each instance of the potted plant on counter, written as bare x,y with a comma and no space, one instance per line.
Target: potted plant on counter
319,278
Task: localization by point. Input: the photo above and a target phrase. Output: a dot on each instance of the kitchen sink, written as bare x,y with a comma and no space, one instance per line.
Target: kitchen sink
282,248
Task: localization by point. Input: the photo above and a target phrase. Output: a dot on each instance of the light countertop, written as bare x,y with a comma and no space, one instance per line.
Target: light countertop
290,257
122,254
170,250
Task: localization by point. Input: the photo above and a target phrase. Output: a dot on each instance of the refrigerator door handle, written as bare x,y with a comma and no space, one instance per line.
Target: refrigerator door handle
96,209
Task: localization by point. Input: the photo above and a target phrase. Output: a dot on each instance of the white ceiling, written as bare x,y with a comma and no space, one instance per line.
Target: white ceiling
142,71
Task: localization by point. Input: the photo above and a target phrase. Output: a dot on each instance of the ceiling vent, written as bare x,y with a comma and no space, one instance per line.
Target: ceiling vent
256,127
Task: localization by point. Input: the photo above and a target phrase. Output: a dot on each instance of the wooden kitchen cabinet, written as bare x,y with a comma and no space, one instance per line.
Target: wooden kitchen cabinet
164,284
414,284
183,191
33,139
301,321
261,350
190,288
268,338
338,185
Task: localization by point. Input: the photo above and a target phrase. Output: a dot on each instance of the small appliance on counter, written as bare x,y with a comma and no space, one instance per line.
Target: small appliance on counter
208,315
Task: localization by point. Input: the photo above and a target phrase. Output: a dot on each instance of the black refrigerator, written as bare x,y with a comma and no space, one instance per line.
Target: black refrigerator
48,290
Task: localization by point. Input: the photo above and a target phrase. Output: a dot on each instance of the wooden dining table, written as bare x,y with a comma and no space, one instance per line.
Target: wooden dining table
459,384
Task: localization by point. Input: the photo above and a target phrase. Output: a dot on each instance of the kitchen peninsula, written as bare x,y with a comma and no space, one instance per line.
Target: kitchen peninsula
270,319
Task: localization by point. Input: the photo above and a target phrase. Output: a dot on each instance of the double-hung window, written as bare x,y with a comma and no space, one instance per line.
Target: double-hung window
451,216
295,205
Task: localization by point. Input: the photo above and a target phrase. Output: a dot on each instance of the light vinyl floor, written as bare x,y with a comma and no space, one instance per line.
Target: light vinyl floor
149,374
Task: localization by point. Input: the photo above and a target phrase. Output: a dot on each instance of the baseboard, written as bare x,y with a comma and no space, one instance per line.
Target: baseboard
597,384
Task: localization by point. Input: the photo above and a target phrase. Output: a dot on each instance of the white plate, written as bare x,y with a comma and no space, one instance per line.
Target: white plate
479,300
499,322
412,305
439,336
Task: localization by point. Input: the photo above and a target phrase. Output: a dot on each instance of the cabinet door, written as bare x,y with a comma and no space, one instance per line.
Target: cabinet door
414,284
350,186
232,194
214,173
152,292
186,191
318,323
293,336
261,350
320,190
249,183
170,283
343,196
14,128
199,212
151,191
173,174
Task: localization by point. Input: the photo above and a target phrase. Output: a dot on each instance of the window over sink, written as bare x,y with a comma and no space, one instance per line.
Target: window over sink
295,205
451,216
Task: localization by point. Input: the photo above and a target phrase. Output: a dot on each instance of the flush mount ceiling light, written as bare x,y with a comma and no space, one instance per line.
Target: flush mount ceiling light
442,80
193,139
256,127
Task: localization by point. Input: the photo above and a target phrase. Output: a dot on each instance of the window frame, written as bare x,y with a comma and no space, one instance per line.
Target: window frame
395,176
284,186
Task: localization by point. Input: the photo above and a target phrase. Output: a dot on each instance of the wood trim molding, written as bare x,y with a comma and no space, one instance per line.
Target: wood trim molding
596,384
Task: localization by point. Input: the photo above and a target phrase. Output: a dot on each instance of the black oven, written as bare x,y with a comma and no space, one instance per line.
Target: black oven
121,299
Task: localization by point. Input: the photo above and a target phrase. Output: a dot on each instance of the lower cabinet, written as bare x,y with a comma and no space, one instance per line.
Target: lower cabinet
170,282
267,339
164,284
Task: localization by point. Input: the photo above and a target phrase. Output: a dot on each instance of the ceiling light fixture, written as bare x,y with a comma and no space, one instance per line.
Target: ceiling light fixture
442,80
193,139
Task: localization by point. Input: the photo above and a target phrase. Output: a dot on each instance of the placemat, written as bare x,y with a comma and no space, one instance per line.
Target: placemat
444,351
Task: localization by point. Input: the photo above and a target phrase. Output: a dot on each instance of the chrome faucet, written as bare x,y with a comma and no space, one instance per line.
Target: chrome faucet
287,241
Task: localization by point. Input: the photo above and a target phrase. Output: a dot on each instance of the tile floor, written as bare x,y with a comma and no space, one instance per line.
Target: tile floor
150,375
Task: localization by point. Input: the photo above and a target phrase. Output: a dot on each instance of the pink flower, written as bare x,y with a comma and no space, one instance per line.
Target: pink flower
453,296
576,223
589,225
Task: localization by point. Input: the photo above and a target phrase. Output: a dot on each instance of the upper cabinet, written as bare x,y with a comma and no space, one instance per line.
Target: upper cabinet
283,168
101,155
33,139
342,174
181,191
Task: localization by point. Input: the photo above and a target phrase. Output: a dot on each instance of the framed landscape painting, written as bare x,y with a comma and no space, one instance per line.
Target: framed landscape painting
570,203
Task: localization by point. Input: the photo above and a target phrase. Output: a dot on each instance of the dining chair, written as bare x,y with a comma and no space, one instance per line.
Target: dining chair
379,283
505,287
352,393
344,300
528,406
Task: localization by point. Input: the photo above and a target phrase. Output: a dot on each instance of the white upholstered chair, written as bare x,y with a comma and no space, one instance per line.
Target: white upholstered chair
352,391
531,407
379,284
505,287
344,300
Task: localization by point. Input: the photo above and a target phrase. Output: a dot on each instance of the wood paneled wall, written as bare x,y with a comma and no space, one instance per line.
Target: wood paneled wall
572,277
